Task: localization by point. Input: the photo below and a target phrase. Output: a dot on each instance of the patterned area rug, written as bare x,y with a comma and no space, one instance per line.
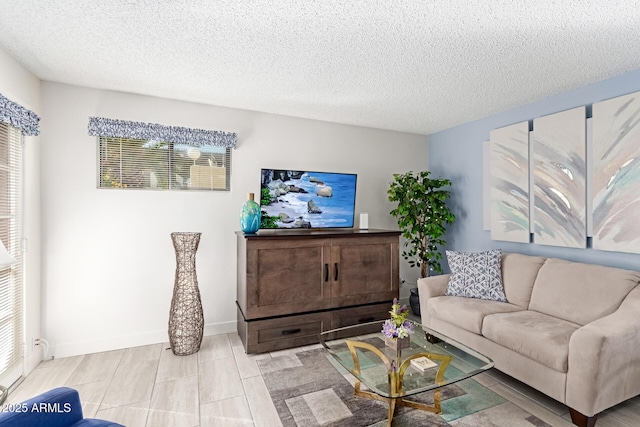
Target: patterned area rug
309,389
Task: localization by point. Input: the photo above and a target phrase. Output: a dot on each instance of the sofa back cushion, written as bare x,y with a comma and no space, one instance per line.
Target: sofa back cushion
580,293
518,276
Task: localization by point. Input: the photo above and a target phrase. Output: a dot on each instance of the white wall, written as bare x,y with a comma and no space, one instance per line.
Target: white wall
19,85
108,263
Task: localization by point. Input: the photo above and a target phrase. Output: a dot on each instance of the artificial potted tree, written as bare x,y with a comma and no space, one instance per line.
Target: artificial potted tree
423,216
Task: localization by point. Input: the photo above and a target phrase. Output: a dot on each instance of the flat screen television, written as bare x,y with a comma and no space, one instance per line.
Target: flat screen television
305,199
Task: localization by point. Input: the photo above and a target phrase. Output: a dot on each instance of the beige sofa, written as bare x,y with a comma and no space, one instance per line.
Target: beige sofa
570,330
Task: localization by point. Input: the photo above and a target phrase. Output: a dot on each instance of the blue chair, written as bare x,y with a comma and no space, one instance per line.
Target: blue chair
59,407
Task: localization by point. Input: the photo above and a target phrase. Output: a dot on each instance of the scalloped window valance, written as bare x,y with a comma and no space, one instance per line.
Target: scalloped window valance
100,126
19,117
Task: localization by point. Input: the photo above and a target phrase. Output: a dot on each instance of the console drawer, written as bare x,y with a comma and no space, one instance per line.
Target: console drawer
260,336
357,315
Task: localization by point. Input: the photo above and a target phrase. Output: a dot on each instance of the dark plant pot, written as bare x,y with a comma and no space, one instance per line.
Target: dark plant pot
414,301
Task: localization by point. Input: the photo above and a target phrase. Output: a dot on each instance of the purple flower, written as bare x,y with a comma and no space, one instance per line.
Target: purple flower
408,325
389,329
397,326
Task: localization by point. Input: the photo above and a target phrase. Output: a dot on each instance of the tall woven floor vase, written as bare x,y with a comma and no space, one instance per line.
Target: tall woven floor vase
186,321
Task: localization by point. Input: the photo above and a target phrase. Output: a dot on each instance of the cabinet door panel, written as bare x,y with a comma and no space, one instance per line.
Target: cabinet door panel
367,271
285,280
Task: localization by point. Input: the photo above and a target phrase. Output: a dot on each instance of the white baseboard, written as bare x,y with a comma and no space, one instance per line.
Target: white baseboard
126,341
221,328
32,360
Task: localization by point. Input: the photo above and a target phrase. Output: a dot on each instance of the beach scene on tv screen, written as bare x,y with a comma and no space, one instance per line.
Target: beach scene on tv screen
301,199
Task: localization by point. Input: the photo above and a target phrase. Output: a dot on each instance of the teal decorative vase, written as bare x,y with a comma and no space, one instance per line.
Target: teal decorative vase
250,216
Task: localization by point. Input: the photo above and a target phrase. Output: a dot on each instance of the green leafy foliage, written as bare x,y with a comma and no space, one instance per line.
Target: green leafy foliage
267,221
265,197
422,215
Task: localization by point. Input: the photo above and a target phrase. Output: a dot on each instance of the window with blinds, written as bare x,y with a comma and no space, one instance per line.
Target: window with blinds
11,286
127,163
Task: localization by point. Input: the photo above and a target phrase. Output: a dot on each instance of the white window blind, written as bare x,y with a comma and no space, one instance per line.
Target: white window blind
128,163
11,284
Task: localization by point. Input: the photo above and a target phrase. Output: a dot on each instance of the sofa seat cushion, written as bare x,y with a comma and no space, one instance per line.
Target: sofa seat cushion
537,336
466,313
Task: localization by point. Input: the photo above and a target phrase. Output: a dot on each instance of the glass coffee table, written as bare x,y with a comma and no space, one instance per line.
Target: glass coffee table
389,374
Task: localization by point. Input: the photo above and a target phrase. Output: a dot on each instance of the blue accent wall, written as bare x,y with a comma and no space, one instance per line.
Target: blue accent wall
456,154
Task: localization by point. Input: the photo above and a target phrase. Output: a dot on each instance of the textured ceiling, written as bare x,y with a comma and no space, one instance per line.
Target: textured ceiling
414,66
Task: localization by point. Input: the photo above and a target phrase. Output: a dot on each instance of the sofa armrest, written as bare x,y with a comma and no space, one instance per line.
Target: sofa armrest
58,407
430,287
604,361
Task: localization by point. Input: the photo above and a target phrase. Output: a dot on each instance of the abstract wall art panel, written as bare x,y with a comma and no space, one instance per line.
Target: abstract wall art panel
616,174
509,164
590,177
486,185
559,170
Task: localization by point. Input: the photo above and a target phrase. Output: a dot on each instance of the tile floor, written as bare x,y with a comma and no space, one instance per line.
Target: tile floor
222,386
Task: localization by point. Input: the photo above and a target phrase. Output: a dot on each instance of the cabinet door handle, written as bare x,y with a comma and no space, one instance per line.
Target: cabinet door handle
366,320
326,272
335,266
291,331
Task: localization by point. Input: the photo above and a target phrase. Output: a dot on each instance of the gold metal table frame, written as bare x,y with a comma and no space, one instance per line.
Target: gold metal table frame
396,376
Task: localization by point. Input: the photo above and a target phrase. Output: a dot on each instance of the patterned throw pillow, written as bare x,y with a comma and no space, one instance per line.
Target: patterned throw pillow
476,275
